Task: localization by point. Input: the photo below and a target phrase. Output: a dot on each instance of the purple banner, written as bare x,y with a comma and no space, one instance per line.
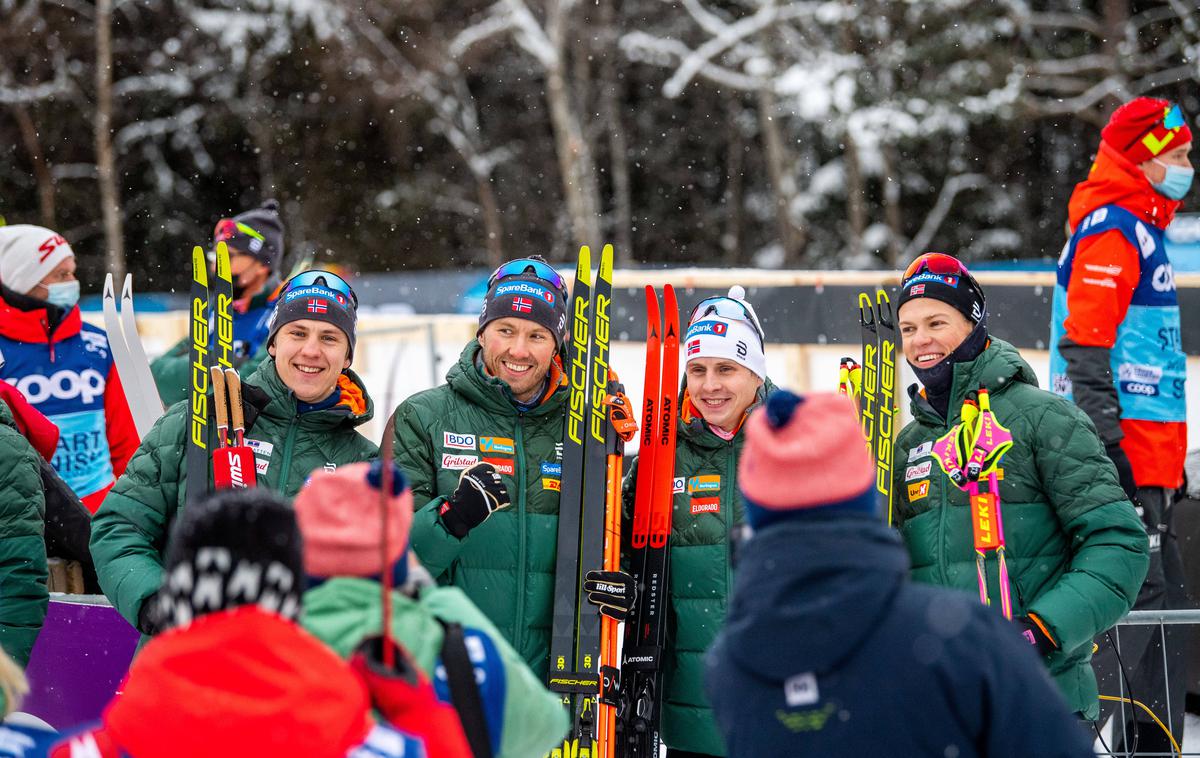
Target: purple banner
78,661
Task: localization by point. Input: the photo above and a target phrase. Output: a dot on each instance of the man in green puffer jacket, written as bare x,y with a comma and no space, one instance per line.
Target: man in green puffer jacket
725,379
338,513
491,434
1076,549
24,598
302,409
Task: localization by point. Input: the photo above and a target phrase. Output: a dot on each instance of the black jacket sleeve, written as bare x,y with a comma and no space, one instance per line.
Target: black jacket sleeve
1090,371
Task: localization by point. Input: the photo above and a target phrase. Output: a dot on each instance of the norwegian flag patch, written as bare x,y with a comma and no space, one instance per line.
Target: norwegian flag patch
317,306
917,289
693,347
522,305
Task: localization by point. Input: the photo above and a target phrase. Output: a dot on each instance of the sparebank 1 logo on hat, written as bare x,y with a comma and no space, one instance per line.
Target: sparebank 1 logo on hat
315,291
946,279
525,288
717,328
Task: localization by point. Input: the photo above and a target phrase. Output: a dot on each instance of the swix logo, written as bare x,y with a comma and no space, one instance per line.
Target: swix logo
458,441
235,471
47,247
63,385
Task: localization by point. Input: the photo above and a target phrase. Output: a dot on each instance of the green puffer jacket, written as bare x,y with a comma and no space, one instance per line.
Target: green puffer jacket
707,508
505,565
129,532
1077,551
342,612
23,594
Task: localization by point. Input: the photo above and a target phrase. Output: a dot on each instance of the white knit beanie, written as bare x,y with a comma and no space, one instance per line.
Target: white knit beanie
28,253
715,336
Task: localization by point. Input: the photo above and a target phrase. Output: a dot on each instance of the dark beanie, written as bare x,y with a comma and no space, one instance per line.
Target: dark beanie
317,303
958,289
233,548
257,232
527,297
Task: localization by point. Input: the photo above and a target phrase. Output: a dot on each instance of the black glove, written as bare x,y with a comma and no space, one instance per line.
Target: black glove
147,620
1032,633
614,592
1124,468
480,493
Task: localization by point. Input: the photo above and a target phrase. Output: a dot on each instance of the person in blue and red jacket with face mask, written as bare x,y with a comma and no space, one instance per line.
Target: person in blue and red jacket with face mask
60,364
1116,350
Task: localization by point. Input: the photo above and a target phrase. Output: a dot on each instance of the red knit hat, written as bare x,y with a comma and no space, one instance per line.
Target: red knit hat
1146,128
338,513
804,452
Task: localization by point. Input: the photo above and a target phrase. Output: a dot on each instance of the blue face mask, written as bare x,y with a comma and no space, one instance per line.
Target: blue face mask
1176,183
63,294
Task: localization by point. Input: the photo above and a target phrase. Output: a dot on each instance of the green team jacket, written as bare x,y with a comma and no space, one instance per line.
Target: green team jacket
342,612
129,531
172,370
707,508
23,594
1077,551
506,564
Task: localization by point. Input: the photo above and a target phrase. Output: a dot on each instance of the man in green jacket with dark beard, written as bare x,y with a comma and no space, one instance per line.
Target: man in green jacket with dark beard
1076,549
302,408
493,434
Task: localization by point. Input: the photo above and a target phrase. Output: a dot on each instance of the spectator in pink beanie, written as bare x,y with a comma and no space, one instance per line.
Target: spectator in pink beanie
829,649
340,519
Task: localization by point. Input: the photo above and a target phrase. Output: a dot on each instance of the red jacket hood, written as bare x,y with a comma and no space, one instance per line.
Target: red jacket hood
243,683
1113,180
30,326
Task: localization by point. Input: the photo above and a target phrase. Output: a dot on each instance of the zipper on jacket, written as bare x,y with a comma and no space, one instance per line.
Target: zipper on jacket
286,465
943,516
731,488
519,446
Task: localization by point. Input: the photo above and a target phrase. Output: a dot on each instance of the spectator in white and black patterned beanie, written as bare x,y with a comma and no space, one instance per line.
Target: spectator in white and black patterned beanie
234,548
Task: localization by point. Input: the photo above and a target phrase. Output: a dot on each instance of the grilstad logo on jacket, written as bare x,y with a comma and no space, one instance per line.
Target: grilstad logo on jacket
453,462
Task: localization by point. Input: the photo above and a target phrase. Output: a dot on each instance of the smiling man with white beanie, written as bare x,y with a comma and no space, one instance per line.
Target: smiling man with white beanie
60,364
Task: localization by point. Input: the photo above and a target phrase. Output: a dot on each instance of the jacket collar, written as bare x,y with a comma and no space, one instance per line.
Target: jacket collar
271,397
488,392
1113,180
997,368
34,325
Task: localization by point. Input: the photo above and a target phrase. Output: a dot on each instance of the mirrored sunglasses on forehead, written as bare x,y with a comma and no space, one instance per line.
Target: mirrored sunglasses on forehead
936,263
727,307
527,267
326,279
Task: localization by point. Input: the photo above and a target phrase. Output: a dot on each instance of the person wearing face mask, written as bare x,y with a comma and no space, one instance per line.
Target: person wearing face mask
725,378
302,407
255,240
60,364
1116,350
1076,551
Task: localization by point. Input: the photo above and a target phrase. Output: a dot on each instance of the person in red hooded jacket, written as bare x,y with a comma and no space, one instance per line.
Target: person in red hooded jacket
235,676
60,364
1116,349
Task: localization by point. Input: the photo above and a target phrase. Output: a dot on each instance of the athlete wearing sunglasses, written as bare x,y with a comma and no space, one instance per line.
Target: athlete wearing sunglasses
484,454
302,406
1076,551
255,242
1116,348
